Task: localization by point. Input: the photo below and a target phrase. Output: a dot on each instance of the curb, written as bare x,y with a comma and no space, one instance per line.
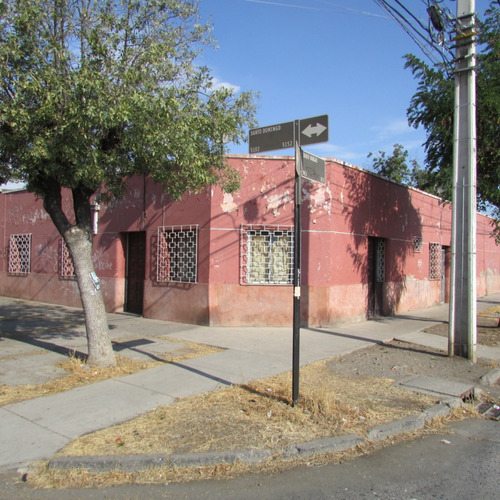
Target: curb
491,378
134,463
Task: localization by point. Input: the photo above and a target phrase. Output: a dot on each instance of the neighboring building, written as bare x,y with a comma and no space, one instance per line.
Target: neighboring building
369,247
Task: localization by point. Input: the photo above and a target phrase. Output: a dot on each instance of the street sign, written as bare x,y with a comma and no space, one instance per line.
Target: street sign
313,167
313,130
283,136
279,136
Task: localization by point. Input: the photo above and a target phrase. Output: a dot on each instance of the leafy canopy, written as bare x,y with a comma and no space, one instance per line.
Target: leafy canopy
94,91
432,107
397,167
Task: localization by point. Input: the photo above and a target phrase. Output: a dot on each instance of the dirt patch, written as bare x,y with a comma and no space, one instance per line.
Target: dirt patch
397,360
488,328
347,394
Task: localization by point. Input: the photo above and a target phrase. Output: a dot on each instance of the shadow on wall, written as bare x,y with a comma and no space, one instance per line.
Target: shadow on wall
384,226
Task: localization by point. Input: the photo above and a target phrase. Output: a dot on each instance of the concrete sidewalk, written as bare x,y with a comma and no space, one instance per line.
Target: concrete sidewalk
35,337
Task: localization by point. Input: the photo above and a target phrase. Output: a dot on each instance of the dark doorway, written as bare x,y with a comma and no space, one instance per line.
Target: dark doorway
135,272
376,276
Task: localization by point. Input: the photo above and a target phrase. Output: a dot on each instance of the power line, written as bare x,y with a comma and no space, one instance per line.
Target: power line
420,34
337,9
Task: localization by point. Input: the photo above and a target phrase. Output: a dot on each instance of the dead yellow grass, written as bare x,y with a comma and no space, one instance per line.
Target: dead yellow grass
81,374
253,416
258,415
43,477
495,310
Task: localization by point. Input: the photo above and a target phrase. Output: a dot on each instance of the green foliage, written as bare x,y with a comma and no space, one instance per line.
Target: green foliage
94,91
398,167
432,107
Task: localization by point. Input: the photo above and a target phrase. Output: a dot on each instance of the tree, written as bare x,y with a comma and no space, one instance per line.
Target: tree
397,167
96,91
433,106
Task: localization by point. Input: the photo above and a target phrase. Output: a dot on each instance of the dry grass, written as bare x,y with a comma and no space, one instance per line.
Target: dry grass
43,477
257,415
253,416
79,373
492,311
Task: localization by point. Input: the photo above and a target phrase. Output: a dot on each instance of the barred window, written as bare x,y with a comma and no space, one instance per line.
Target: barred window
66,267
434,261
380,260
267,255
417,244
20,254
177,254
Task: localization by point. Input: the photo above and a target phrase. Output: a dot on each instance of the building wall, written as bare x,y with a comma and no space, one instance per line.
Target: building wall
343,222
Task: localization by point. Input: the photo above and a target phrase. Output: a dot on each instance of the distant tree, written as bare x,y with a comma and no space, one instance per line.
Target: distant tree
93,92
432,107
398,167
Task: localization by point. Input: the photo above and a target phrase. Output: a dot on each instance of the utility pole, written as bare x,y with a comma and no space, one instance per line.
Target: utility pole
297,278
462,317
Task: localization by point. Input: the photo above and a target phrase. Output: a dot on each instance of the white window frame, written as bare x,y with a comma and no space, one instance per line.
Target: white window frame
273,236
435,258
177,254
66,266
19,254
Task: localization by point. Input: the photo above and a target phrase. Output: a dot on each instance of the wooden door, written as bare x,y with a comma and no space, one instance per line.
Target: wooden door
135,272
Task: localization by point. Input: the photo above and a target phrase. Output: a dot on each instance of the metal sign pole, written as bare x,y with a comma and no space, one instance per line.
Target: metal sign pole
296,269
283,136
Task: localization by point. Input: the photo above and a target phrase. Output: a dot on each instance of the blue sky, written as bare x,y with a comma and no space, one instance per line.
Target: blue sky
343,58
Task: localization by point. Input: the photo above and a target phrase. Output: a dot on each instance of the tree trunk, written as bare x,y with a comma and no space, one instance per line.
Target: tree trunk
96,322
78,238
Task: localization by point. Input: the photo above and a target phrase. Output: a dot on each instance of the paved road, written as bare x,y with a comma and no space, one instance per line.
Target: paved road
462,465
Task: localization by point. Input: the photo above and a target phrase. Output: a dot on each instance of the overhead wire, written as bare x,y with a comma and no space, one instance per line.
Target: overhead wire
337,9
420,34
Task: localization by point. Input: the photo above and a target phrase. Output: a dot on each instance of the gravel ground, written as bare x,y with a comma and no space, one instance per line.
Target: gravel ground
397,360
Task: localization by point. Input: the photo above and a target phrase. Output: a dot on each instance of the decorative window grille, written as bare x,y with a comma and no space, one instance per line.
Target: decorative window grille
434,261
417,244
66,267
20,254
267,255
380,260
177,254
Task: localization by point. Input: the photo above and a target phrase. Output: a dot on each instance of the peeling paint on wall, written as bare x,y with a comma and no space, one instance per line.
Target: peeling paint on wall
319,199
31,216
228,204
277,201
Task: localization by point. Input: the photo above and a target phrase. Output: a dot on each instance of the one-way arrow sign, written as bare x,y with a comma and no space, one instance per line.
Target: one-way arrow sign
313,130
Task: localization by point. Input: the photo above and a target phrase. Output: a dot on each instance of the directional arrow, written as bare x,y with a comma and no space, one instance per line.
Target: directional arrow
311,130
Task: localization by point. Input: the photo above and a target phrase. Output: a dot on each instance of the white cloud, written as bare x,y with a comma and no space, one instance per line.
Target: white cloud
393,128
335,151
218,84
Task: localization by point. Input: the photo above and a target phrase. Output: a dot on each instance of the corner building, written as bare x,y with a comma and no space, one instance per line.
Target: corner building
369,247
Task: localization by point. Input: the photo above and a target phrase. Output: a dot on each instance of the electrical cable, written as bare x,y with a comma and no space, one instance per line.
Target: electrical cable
394,13
424,41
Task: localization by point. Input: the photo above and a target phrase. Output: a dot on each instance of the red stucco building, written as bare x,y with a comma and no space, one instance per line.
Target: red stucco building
369,246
